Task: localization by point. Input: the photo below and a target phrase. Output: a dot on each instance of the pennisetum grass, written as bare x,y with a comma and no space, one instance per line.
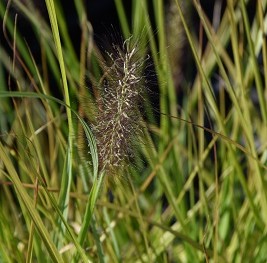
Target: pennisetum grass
199,193
117,122
120,98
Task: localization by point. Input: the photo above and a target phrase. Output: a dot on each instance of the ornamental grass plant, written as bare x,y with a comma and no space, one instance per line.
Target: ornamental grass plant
149,149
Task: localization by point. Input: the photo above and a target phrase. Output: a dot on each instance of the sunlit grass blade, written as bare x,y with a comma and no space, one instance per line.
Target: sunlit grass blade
66,177
26,200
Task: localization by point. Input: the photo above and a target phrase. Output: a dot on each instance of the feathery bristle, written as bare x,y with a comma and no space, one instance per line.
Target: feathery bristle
117,120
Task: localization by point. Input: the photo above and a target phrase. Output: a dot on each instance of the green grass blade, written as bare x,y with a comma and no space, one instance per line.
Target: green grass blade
67,177
54,254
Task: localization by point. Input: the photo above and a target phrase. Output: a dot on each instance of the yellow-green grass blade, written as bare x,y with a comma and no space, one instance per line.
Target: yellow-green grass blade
67,175
29,205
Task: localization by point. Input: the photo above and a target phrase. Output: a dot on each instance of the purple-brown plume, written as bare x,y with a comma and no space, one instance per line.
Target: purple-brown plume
118,117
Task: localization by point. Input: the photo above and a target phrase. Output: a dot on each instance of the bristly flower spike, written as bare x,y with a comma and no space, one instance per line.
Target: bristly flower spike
118,116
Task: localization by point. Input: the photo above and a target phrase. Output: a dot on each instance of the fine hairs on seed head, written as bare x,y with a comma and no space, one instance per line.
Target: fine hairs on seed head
117,121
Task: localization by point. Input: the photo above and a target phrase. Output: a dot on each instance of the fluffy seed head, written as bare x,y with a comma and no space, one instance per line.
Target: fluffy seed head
117,120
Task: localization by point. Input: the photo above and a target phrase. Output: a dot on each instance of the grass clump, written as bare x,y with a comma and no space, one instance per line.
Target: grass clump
195,164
